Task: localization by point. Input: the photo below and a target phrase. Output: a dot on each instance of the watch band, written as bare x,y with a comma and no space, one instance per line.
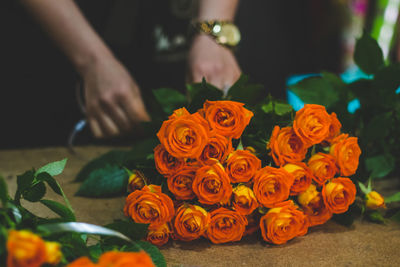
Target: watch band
224,32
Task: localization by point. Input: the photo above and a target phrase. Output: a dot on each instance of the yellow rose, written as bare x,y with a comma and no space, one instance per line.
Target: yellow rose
374,200
244,200
53,253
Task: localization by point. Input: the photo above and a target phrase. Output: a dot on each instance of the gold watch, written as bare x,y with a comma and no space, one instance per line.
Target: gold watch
224,32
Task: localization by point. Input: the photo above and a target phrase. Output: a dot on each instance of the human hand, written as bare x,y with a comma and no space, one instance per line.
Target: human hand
212,61
113,101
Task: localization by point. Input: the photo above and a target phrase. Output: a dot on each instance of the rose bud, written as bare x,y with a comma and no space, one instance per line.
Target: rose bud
373,201
136,181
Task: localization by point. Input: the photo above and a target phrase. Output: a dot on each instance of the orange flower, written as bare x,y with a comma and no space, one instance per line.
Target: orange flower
184,135
339,194
302,177
312,124
323,167
242,165
125,259
283,223
149,205
347,153
136,181
211,185
313,206
244,200
226,226
25,249
82,262
272,185
227,118
374,200
334,128
286,146
190,222
180,184
159,235
53,253
165,163
217,148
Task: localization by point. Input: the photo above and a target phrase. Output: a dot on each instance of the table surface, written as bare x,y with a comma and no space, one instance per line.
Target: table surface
362,244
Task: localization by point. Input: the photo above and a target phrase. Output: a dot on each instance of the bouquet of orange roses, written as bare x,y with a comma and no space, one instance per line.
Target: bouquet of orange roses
214,191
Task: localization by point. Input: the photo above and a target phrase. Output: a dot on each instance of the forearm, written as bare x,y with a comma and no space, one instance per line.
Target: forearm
67,26
217,9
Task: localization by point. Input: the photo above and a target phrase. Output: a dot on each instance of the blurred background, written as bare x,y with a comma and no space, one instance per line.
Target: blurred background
280,39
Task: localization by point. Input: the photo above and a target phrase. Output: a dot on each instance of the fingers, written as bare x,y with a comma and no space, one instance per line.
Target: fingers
135,109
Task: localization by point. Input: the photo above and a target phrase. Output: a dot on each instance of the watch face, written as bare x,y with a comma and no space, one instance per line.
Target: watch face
227,34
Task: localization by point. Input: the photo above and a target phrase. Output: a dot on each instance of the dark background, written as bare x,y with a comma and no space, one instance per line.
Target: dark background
38,97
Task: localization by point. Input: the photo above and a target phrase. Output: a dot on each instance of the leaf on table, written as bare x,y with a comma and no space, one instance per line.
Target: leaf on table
46,177
35,193
380,165
64,212
111,180
169,99
316,90
393,198
368,55
53,168
113,157
3,191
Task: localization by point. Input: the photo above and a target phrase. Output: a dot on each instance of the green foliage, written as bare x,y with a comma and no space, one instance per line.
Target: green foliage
380,165
65,213
393,198
135,231
153,251
396,217
169,99
3,192
244,92
108,181
368,55
375,216
54,168
200,92
35,193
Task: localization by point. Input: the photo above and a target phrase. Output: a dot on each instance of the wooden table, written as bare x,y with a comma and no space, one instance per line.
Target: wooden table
363,244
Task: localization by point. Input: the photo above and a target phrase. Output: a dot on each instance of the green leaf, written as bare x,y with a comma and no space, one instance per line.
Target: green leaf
396,217
134,231
200,92
3,239
363,188
380,165
25,180
393,198
73,245
35,193
377,127
46,177
108,181
59,209
368,55
54,168
387,79
244,92
81,228
345,219
316,90
268,108
375,216
153,251
169,99
282,108
114,157
3,191
95,251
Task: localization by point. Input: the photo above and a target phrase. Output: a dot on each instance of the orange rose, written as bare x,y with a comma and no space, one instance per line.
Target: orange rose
180,184
190,222
302,177
312,124
149,205
313,206
244,200
211,185
82,262
334,128
242,165
226,226
339,194
159,235
272,185
347,153
217,148
283,223
136,181
125,259
165,163
25,249
323,167
286,146
184,135
53,253
227,118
